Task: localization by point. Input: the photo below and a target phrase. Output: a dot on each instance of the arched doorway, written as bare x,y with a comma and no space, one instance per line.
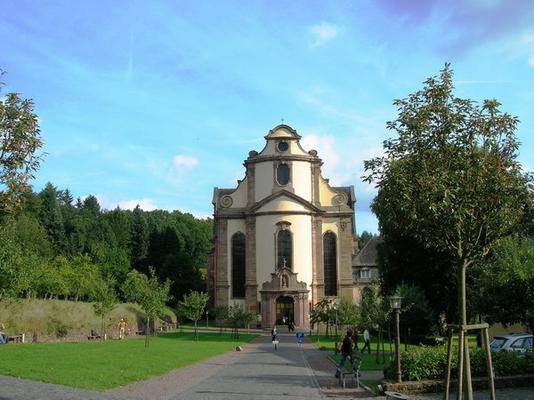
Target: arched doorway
285,307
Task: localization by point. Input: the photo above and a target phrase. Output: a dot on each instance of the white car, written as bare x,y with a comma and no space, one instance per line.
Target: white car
519,342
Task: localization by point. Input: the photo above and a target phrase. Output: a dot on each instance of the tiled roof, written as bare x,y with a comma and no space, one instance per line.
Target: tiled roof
367,257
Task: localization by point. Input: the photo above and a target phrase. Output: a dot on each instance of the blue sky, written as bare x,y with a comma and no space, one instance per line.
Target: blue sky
158,102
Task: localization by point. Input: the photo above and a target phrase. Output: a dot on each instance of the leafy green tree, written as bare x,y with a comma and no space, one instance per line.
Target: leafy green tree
149,293
323,312
192,307
505,283
30,234
237,317
404,260
20,141
374,315
221,316
105,299
450,178
416,313
348,314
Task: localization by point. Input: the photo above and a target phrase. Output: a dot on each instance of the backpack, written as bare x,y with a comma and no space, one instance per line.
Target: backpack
346,346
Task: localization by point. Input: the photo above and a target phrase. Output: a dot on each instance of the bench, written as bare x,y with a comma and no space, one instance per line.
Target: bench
395,395
16,338
93,337
353,373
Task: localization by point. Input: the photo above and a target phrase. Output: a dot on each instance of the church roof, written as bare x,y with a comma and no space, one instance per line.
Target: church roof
368,256
284,131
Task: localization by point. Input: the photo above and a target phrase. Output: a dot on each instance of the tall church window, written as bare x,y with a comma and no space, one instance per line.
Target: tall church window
330,264
238,265
284,249
282,174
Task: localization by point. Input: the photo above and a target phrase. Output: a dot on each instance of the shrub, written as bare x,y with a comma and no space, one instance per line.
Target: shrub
57,327
423,362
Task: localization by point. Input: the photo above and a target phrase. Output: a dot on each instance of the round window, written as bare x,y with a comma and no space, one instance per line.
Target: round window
283,146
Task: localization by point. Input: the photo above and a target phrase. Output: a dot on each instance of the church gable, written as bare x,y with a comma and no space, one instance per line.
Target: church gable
231,198
284,201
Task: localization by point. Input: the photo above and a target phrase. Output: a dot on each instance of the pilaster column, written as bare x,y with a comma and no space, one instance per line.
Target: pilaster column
315,177
317,260
221,285
251,185
346,283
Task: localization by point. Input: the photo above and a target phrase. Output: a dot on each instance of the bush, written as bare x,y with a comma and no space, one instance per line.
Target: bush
57,327
423,362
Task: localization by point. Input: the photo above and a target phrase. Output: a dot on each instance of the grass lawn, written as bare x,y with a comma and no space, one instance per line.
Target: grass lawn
368,360
104,365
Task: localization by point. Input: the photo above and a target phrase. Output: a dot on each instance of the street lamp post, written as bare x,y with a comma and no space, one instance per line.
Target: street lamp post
395,303
337,339
207,313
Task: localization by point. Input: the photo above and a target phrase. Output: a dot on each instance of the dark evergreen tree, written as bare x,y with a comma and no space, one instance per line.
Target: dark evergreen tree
51,218
138,240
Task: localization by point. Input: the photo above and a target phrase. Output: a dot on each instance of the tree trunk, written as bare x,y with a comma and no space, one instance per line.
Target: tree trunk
464,347
147,331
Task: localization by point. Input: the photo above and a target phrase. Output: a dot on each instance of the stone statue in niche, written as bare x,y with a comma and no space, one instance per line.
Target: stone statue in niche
285,280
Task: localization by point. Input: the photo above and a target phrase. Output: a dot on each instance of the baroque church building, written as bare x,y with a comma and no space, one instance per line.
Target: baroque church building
283,238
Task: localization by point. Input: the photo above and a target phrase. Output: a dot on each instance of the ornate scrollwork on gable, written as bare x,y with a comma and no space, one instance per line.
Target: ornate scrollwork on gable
339,199
226,201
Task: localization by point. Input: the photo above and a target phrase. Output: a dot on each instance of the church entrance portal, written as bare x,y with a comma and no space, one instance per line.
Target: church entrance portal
284,296
285,307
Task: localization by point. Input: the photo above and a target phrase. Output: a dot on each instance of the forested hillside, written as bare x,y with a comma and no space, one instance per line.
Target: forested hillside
58,247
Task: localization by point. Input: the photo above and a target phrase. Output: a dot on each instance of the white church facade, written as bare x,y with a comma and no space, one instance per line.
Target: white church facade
283,238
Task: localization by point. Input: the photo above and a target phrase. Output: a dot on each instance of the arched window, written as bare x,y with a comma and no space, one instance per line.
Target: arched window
330,264
282,174
285,248
238,265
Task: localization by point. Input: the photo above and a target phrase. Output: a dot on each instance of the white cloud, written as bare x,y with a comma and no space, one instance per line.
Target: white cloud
144,204
323,33
181,161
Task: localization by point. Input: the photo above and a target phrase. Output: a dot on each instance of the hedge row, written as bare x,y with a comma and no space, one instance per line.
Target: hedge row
423,362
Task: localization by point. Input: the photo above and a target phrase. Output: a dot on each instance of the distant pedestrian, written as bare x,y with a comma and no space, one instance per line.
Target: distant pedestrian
274,337
346,352
355,338
122,325
292,326
366,341
3,336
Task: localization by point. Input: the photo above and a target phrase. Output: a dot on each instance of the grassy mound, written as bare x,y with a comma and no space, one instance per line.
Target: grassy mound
53,320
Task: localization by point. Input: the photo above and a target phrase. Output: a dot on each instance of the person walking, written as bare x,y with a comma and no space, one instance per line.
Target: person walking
274,337
366,341
122,325
3,336
346,352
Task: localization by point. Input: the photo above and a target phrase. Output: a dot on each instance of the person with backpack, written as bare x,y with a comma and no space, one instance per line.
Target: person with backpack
274,336
346,349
